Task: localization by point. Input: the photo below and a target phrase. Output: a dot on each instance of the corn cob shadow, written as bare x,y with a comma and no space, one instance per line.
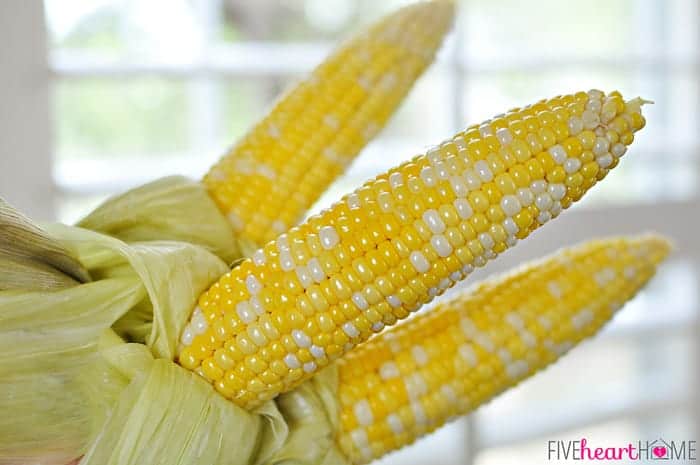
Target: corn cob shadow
417,376
314,131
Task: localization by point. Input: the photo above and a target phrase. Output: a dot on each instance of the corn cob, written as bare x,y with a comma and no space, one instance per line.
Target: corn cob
316,130
398,241
416,377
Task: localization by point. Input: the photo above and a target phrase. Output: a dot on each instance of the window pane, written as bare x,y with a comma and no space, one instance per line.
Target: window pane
103,118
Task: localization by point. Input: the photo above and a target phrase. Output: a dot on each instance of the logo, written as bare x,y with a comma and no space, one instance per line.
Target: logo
657,449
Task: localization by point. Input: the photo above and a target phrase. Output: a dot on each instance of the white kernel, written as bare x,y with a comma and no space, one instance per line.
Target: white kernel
554,289
378,326
517,369
389,370
528,338
393,301
511,241
396,180
510,226
441,170
441,245
459,187
444,283
466,351
292,361
449,394
259,257
483,171
594,105
353,201
572,165
419,414
359,300
350,330
504,136
556,209
455,276
590,119
543,217
252,284
432,219
304,276
604,161
510,205
317,351
256,305
363,413
428,176
433,155
310,367
504,355
479,261
575,125
595,94
245,313
544,322
282,243
331,121
601,146
464,210
472,179
199,322
415,386
384,201
419,262
466,269
525,196
618,150
514,320
558,153
485,130
490,254
630,272
316,270
582,318
286,260
187,336
328,236
359,437
395,423
301,338
486,240
419,355
539,186
557,191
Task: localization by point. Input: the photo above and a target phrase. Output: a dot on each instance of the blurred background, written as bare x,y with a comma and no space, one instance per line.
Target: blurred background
102,95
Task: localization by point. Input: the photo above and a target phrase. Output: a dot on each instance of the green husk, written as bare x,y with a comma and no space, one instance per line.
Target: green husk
88,368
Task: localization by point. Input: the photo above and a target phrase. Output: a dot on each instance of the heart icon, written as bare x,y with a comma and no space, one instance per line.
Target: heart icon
659,451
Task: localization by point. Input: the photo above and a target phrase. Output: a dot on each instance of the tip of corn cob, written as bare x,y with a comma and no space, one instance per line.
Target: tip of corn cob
317,128
400,240
417,376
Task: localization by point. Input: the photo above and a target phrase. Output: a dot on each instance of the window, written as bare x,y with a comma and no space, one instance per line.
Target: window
137,95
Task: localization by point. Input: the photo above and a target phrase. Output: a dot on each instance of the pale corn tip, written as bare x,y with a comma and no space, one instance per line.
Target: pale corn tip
401,240
414,378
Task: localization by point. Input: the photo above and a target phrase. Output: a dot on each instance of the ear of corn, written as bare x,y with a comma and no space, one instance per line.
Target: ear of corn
398,241
317,129
414,378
